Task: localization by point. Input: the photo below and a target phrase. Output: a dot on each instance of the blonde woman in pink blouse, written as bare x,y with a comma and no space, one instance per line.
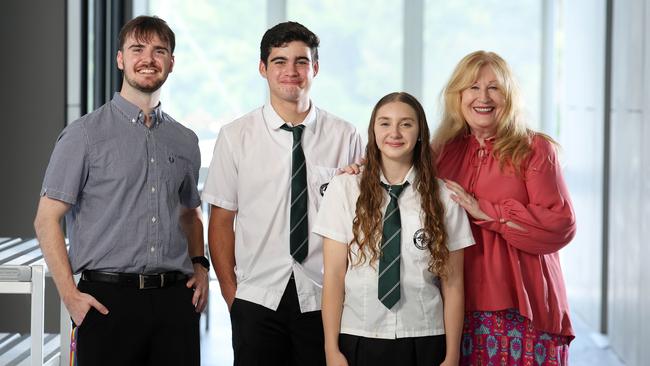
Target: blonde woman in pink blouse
508,179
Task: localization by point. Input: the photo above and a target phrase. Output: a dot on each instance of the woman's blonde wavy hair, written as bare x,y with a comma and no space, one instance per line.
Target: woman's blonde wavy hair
513,137
367,225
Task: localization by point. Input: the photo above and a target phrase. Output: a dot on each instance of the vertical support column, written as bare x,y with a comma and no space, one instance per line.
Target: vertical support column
607,120
644,303
37,314
547,102
76,32
120,13
276,12
99,54
413,47
108,18
84,92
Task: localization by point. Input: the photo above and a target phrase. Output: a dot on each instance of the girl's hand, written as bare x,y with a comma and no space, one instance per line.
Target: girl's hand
353,169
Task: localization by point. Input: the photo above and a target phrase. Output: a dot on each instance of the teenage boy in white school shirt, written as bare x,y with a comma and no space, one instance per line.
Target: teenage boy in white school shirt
274,298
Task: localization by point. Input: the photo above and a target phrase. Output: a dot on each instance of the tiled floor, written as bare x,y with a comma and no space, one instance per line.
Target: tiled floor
590,348
216,342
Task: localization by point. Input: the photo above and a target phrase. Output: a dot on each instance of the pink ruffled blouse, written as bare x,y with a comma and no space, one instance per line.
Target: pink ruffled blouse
510,268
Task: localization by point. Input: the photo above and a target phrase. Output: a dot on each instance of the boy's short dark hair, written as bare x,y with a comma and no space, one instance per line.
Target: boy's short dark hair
284,33
143,27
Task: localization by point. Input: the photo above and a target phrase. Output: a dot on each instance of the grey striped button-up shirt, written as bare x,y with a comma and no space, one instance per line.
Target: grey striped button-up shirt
126,184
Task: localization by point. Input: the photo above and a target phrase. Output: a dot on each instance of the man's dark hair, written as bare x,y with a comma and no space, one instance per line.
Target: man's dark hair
284,33
144,27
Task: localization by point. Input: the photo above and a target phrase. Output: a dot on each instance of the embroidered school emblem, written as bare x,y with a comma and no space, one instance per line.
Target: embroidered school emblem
323,188
420,239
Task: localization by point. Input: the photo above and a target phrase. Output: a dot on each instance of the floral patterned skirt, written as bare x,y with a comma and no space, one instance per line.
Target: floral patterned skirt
505,338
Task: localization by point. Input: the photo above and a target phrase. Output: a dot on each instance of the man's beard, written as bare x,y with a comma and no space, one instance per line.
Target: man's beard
149,88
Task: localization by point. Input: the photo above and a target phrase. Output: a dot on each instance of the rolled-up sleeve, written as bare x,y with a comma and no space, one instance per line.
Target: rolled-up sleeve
221,184
189,193
333,220
67,170
357,148
459,232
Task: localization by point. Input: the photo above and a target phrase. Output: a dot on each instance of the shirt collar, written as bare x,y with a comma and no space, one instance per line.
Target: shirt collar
410,177
133,112
274,121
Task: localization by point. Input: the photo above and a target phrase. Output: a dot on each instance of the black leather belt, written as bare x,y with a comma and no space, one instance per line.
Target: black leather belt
134,280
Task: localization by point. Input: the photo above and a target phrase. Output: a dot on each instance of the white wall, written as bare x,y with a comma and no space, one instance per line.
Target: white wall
629,270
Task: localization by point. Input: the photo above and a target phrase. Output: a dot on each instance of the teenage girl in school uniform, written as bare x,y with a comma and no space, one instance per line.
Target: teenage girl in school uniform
393,250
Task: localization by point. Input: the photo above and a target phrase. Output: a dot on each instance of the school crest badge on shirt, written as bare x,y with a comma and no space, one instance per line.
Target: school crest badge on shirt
420,239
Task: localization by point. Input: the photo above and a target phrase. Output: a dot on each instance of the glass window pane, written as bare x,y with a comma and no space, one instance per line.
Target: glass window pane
511,28
360,53
215,77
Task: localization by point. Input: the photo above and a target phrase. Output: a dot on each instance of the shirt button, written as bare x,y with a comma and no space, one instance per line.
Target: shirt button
153,249
152,160
153,219
153,189
133,120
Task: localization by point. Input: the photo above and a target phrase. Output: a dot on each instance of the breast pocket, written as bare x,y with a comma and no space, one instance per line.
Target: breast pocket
173,170
319,178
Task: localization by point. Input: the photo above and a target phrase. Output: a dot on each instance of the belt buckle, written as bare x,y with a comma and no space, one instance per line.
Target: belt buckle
143,283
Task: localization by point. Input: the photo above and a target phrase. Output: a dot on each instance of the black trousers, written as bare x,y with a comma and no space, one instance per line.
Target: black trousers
263,337
416,351
143,327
